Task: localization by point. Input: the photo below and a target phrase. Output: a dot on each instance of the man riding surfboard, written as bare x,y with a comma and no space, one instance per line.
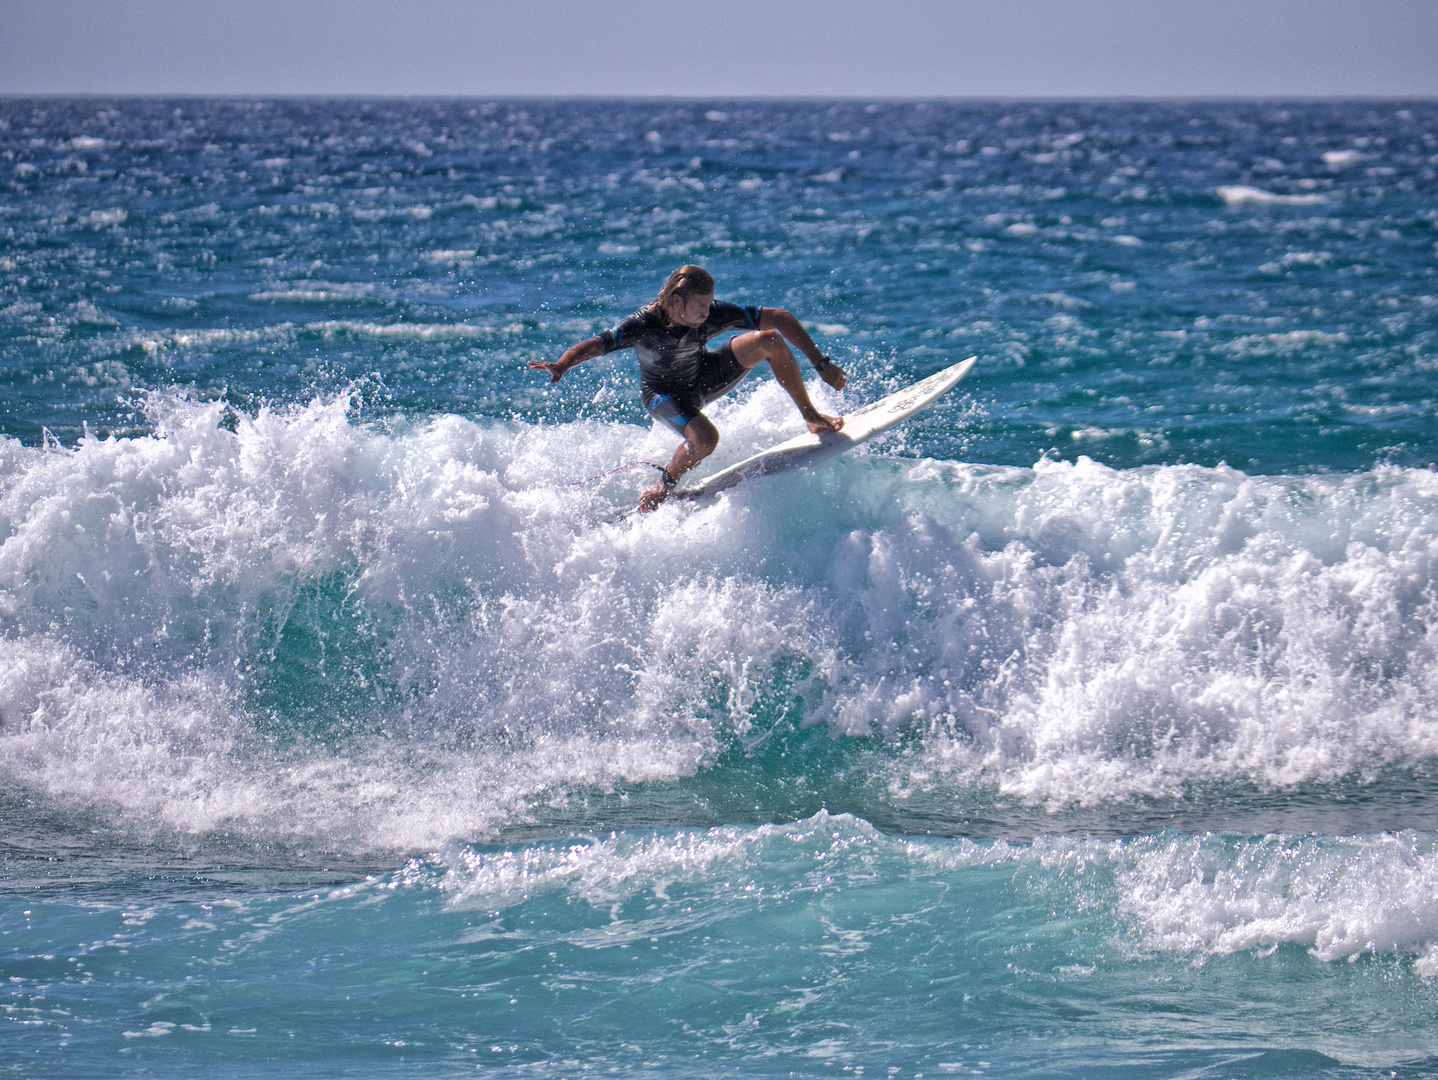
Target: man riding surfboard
678,375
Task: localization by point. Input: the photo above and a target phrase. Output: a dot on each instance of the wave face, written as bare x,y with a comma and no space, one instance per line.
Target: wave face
386,638
1085,725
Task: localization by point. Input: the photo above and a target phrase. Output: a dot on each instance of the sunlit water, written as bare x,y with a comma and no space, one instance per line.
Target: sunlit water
1086,725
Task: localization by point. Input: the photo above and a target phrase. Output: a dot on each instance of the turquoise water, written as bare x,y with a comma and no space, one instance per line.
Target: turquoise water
1086,725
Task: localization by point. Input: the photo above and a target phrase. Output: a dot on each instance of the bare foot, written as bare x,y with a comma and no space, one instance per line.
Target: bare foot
825,423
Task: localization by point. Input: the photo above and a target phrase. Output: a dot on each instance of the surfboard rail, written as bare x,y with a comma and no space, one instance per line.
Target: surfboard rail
859,427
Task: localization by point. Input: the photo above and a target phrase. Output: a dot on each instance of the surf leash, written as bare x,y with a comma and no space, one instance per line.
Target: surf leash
620,469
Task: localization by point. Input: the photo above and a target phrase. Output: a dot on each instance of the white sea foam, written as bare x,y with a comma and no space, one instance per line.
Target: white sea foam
406,330
86,312
1239,194
1340,897
384,213
599,871
1293,341
1206,895
820,853
318,291
155,342
1341,158
1178,623
1297,258
478,638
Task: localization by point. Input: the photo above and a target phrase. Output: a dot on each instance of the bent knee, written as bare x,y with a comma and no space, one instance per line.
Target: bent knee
773,342
701,440
704,445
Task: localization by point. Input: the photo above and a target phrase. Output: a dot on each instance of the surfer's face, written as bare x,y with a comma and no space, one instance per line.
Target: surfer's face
691,311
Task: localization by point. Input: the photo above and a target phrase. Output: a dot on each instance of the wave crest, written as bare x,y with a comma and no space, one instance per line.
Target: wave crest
403,603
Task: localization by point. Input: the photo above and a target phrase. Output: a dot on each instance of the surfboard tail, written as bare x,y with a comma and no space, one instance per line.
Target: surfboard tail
859,427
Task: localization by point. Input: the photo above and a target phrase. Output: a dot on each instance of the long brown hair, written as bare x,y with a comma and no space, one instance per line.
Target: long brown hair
685,282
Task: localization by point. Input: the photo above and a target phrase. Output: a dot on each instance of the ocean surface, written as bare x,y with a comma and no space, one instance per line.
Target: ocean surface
1085,726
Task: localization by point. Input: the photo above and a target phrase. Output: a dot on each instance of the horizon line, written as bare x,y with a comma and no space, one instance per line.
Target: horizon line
756,98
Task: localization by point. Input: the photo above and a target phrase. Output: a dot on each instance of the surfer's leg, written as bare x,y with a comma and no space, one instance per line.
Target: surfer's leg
672,410
700,439
757,346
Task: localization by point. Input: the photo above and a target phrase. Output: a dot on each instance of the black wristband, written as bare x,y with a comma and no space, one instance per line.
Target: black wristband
823,364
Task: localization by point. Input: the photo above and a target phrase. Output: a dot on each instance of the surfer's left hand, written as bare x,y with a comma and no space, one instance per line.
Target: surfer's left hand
834,376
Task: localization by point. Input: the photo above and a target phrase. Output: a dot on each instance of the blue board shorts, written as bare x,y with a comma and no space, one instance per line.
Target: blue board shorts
719,372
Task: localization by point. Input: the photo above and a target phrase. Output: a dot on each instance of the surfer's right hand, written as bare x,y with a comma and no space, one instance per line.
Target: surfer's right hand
835,376
555,368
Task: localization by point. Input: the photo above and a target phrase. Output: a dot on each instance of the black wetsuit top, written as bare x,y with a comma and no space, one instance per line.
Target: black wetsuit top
671,357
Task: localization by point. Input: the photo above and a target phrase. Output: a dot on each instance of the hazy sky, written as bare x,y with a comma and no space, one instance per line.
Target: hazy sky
733,48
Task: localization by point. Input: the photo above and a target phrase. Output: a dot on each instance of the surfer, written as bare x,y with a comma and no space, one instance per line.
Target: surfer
678,375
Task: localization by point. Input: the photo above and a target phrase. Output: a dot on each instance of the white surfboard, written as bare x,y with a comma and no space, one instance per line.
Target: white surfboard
860,426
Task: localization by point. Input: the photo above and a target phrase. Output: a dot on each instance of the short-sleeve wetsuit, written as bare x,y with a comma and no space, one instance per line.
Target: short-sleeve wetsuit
678,376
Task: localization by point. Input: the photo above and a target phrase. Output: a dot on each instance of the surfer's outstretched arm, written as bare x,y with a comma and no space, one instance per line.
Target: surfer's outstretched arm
782,321
587,349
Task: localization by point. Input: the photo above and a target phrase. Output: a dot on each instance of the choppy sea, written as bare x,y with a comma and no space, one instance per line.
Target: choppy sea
1085,726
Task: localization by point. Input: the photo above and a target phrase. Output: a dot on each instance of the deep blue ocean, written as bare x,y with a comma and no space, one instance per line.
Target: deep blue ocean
1084,726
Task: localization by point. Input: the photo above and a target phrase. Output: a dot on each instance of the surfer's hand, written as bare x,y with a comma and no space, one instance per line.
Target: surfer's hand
555,368
834,376
587,349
